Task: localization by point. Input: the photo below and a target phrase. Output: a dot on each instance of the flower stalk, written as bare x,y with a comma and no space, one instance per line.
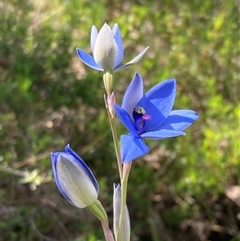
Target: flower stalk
109,103
108,82
124,184
107,233
98,211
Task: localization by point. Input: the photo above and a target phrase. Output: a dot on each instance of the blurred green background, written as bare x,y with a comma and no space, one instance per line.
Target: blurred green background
187,188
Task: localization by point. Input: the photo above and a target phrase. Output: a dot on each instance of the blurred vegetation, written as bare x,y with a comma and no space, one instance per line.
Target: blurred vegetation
187,188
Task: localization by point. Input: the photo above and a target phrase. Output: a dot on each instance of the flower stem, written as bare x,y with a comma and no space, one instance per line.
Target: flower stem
109,102
116,146
107,233
124,170
124,183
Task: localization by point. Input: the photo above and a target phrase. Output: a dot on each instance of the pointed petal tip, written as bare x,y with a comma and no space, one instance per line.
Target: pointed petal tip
147,48
170,84
133,94
137,75
195,115
68,148
106,25
79,52
116,185
115,26
52,155
170,80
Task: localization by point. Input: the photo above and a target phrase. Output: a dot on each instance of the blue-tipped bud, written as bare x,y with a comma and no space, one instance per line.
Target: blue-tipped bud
107,48
74,179
116,215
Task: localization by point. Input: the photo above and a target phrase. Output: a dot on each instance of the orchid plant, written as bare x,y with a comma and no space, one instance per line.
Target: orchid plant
146,116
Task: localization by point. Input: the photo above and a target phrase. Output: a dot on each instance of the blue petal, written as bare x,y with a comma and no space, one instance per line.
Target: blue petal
163,95
84,166
133,94
118,38
94,34
132,147
54,157
179,120
125,119
158,103
156,118
133,61
161,134
88,59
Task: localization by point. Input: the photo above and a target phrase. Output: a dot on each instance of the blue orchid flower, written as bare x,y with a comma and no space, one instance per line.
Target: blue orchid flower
107,48
74,179
150,116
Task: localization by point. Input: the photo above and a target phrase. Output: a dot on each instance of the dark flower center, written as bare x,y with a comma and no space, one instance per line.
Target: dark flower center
140,117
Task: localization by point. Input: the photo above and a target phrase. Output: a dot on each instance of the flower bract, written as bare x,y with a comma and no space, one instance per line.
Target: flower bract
116,214
107,48
150,116
74,179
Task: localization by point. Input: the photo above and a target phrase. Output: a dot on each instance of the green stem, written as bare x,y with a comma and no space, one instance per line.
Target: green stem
108,80
98,211
124,170
112,121
124,183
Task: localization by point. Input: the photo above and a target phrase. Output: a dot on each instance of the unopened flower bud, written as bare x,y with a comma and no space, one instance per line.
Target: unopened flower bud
74,179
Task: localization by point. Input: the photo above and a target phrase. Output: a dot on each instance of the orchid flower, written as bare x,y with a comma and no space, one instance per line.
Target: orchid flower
74,179
150,116
107,48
